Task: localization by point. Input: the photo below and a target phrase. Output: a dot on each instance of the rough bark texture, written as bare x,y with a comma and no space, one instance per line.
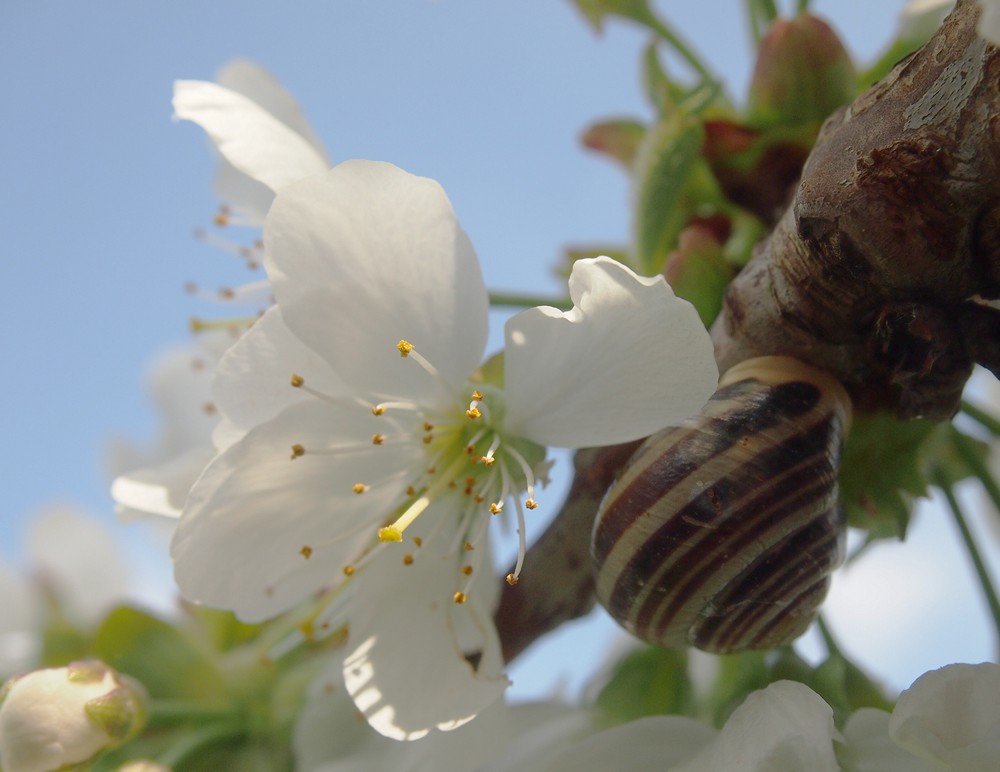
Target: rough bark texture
894,229
876,272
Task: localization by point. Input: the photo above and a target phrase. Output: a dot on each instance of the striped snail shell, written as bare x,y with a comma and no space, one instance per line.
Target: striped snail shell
722,533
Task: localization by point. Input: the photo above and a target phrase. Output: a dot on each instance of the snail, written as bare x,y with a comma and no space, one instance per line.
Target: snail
722,533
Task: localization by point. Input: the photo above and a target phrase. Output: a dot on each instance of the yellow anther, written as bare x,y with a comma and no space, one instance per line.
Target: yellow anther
459,597
411,491
496,508
378,409
390,533
378,439
427,439
348,570
428,426
297,450
404,347
531,504
418,541
467,570
479,498
359,488
468,546
209,408
407,559
297,381
306,551
487,460
221,219
511,579
473,413
477,395
470,450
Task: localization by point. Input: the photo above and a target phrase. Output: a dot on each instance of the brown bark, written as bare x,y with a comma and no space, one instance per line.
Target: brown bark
876,272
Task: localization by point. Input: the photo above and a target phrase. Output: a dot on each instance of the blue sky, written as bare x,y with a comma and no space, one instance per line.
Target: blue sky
102,191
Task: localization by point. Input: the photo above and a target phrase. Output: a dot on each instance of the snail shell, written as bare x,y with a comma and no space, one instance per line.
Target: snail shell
722,533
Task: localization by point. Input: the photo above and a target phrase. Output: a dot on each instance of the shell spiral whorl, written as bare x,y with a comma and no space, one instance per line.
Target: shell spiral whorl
722,533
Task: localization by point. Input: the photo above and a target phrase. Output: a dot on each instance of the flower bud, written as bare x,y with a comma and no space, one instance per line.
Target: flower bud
50,719
802,73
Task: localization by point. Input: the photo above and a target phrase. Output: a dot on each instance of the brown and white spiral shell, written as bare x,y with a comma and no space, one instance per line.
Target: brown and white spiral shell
722,533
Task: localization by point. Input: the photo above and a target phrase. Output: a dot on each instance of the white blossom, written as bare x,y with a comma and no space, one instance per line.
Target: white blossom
951,718
353,418
259,131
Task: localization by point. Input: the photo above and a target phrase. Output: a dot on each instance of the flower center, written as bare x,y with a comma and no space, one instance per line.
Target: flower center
472,468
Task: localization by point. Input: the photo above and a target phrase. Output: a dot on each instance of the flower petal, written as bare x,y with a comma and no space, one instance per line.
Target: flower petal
653,743
868,748
262,531
366,255
627,360
256,83
161,489
248,136
786,727
406,671
951,717
253,379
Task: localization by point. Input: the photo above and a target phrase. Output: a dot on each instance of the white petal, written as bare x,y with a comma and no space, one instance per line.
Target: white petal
405,670
627,360
20,622
80,560
250,138
654,743
248,199
367,255
539,732
239,544
327,728
951,717
162,489
254,82
868,747
786,727
253,379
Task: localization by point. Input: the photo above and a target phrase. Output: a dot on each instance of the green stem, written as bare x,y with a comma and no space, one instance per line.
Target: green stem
169,712
643,15
831,645
802,6
516,300
970,545
187,744
979,415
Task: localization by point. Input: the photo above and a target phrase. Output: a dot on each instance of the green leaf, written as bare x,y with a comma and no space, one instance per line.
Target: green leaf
888,463
597,11
673,184
648,682
882,472
159,656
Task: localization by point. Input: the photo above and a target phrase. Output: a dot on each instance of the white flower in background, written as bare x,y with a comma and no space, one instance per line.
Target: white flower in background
989,21
920,18
259,130
52,719
156,481
951,718
352,419
264,141
74,565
